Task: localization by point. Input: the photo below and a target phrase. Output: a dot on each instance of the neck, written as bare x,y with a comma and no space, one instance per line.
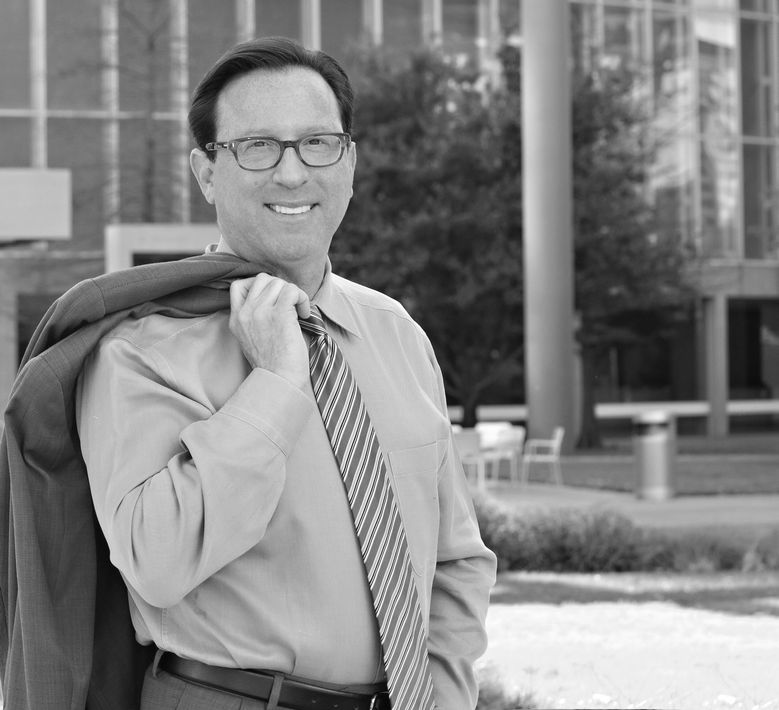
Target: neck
307,277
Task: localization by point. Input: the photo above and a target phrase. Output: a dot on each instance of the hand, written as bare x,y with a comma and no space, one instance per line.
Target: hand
264,313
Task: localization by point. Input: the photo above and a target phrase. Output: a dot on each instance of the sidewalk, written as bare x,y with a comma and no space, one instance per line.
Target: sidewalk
706,459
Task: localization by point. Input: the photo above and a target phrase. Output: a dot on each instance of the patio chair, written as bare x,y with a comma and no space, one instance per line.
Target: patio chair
544,451
506,445
468,446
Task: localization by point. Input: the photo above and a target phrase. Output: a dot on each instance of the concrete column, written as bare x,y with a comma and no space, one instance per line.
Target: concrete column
109,79
488,38
373,21
38,98
245,20
715,314
548,222
432,22
311,16
179,82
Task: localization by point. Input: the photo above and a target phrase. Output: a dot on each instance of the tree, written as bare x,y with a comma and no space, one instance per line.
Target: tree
435,219
631,280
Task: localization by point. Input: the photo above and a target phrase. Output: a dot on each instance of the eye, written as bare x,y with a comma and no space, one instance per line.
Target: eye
257,143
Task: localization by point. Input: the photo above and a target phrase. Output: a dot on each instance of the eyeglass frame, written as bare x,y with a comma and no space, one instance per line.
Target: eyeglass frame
232,146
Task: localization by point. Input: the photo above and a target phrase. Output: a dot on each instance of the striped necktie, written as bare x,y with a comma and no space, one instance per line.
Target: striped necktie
376,519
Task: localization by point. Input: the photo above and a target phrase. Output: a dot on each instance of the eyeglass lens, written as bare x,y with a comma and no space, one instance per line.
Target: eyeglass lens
315,151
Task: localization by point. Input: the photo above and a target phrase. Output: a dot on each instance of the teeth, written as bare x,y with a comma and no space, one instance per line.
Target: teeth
283,209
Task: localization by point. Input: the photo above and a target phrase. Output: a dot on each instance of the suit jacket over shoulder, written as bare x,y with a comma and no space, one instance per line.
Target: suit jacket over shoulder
66,639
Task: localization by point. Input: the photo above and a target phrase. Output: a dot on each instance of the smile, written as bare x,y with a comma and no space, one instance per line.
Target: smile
284,209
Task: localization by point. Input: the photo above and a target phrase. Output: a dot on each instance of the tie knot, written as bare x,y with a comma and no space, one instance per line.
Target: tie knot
314,323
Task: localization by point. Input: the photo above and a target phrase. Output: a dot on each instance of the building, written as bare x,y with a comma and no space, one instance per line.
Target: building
99,89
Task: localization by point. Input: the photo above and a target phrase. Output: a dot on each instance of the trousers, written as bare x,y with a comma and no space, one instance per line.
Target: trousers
163,691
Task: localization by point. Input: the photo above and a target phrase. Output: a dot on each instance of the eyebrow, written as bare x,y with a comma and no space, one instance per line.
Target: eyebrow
309,131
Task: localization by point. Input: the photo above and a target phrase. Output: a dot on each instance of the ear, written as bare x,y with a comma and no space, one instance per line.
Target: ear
203,170
352,158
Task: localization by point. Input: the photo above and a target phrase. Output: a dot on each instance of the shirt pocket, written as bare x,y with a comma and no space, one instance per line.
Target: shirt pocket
415,480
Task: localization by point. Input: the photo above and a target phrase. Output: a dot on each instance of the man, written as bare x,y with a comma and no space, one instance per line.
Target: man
217,472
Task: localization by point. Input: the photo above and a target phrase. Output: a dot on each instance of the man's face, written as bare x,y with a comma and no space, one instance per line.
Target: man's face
283,218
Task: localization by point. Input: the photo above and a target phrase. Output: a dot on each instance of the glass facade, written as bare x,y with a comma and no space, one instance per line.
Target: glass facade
711,70
108,107
714,83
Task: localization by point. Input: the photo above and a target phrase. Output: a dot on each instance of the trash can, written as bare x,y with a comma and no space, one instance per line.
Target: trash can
654,452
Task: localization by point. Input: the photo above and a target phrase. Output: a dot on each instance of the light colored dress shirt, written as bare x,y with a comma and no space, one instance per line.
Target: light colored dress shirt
225,512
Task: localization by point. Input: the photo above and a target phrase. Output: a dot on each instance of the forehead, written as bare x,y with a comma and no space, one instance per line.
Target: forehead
277,100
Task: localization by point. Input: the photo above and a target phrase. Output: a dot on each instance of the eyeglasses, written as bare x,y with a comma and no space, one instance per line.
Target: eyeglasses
263,153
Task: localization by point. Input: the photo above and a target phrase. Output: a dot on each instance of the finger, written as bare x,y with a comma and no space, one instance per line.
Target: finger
239,290
267,289
293,297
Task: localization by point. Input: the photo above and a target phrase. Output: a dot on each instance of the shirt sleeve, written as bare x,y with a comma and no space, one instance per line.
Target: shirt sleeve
465,574
181,490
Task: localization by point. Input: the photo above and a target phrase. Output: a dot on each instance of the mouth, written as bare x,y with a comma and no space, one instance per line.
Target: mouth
290,209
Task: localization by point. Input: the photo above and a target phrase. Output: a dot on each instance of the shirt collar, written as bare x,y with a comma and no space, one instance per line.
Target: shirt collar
329,298
333,303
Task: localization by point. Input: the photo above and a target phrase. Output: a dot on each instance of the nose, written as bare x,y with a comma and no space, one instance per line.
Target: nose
291,171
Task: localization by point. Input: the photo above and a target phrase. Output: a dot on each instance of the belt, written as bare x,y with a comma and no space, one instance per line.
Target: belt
294,693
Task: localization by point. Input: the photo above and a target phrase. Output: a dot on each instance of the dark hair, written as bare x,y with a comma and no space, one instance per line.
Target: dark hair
272,53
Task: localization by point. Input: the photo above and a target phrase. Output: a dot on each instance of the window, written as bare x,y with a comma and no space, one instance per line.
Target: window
144,56
73,54
761,202
342,26
402,24
718,125
147,163
460,28
211,33
75,144
16,138
758,96
623,37
279,18
15,55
